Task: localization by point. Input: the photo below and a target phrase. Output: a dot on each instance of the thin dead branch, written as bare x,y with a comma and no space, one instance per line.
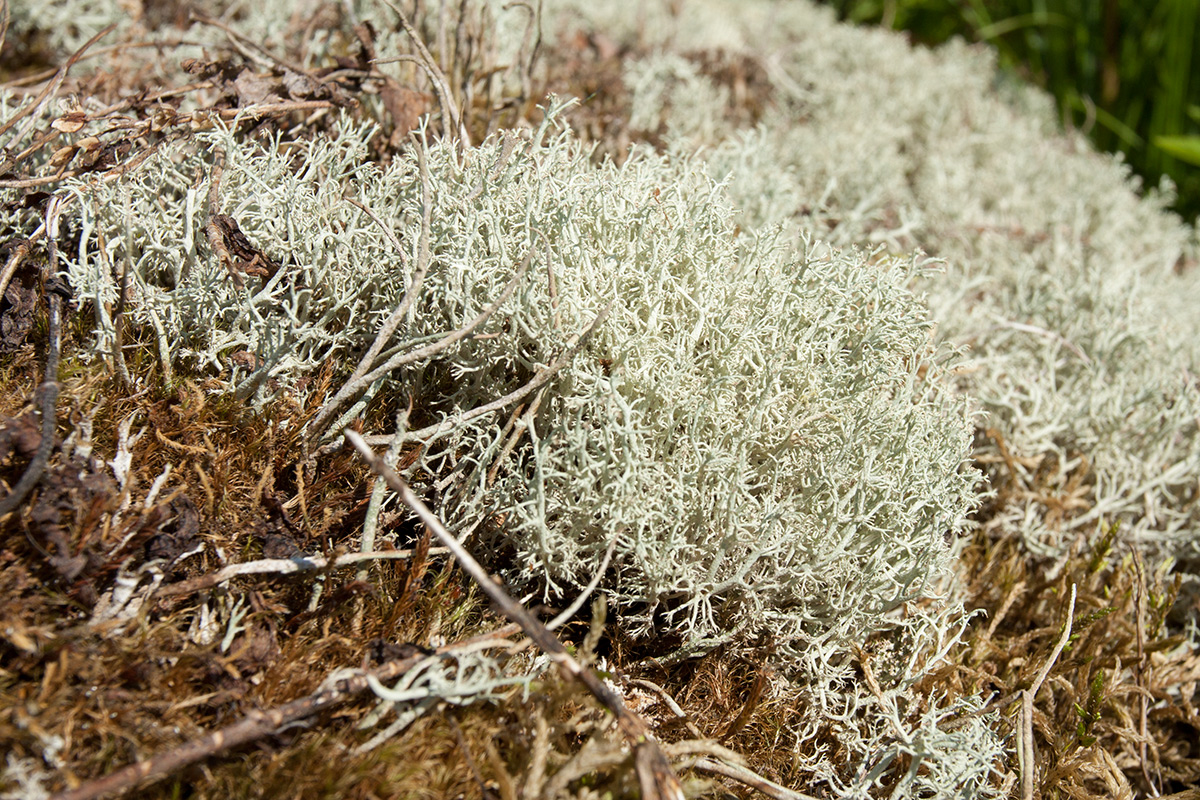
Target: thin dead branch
430,350
252,727
1140,668
243,42
284,566
34,107
440,84
749,778
388,329
655,775
1025,749
539,380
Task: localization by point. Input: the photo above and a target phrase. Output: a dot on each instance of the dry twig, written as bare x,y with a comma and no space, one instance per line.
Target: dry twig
1140,670
32,108
752,779
539,380
242,42
253,726
394,319
671,703
655,776
283,566
440,84
1025,751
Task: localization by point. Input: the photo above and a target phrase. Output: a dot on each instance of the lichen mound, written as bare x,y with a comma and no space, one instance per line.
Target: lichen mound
765,432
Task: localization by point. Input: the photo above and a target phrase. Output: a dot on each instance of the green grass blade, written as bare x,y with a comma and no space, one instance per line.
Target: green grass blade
1185,148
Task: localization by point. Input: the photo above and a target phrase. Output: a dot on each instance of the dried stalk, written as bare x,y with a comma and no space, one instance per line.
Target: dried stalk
1025,751
283,566
352,387
670,702
440,84
122,299
396,317
1140,671
32,108
253,726
655,776
539,380
749,778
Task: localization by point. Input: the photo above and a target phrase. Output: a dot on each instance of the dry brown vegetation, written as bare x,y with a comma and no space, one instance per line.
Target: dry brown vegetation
100,685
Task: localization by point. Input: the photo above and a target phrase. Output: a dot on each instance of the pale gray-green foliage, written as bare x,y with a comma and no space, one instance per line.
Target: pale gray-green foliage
462,676
865,734
24,779
766,431
694,100
64,25
1059,277
957,763
152,223
763,424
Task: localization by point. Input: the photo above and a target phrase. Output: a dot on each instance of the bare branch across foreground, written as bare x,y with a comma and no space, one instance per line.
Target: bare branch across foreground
253,726
655,776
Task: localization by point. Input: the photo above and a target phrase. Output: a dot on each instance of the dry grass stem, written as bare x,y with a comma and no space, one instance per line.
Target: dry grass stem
1025,745
540,379
284,566
655,775
749,778
441,85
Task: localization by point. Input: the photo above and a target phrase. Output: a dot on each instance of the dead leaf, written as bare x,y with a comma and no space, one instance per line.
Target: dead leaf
67,521
20,436
17,308
62,156
178,533
365,32
70,123
106,157
405,107
303,87
244,358
252,89
243,257
223,71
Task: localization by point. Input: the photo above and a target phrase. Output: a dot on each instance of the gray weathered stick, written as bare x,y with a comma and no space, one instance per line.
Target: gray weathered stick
655,775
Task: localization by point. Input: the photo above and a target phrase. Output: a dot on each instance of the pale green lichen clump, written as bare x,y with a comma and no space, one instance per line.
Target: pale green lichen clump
767,425
1059,278
766,431
768,434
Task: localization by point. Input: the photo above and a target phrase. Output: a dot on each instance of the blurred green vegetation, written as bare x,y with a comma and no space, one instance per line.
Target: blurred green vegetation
1126,72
